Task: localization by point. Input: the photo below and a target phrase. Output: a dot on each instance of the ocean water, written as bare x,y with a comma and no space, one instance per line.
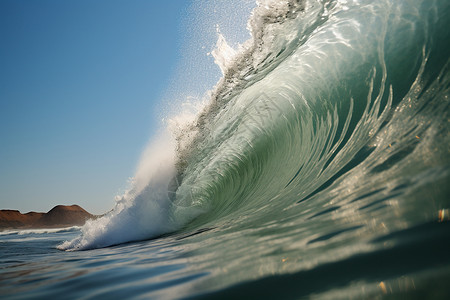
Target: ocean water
318,167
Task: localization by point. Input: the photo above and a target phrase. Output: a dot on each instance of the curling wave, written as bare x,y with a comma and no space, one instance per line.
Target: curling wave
331,106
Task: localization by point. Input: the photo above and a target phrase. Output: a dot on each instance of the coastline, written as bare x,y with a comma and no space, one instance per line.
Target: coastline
60,216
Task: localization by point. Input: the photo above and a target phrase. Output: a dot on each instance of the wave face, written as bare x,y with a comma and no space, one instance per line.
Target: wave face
329,130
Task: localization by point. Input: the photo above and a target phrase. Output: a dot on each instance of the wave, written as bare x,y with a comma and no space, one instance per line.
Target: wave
39,231
344,100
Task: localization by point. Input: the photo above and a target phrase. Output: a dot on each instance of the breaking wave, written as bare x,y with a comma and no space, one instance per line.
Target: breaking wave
331,106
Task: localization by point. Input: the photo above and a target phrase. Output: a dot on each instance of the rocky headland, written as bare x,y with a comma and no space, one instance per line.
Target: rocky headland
58,217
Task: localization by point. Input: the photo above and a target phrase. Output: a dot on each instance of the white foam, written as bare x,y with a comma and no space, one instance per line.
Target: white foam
223,54
143,211
39,231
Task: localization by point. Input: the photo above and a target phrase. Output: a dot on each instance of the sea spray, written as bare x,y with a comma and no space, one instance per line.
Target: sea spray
143,211
146,208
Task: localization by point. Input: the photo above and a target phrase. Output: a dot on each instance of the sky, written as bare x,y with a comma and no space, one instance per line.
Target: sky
84,85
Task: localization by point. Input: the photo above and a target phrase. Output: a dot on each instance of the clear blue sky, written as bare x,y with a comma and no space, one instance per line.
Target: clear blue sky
80,81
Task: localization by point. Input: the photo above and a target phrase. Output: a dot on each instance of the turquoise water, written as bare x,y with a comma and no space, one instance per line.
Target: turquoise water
319,168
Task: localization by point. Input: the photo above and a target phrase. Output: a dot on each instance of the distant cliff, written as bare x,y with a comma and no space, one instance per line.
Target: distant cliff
59,216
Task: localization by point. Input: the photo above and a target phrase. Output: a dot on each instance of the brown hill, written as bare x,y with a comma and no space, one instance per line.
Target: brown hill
59,216
14,219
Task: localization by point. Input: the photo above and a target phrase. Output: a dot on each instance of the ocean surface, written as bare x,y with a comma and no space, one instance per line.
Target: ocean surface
318,167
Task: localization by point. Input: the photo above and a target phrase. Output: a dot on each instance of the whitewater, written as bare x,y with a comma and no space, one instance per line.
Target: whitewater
317,166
